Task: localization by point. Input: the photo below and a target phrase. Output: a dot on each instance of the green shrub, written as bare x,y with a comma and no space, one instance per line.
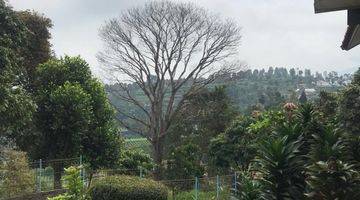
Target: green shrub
136,160
16,177
127,188
73,185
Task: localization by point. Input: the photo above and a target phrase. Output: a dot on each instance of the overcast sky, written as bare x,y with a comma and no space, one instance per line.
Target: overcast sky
279,33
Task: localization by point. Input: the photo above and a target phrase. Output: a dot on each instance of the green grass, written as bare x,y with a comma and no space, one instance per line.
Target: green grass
209,195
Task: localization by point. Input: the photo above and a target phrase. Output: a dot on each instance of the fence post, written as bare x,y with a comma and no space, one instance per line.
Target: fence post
217,186
141,172
196,188
82,170
235,182
40,172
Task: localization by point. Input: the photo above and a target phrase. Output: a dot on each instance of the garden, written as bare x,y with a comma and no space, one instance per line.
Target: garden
168,128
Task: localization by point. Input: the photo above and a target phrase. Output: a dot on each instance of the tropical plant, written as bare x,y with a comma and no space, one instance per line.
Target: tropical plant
333,179
349,109
327,144
281,168
249,188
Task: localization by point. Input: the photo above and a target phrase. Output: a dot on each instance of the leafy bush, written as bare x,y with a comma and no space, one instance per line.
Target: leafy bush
73,185
185,162
136,160
16,177
127,188
235,147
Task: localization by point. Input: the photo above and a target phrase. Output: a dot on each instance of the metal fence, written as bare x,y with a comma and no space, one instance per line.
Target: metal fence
39,177
43,175
206,188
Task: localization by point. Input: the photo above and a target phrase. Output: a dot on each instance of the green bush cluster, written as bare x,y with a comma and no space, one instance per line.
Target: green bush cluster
127,188
16,177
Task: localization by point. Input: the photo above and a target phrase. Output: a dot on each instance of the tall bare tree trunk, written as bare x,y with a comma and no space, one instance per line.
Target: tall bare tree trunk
158,145
169,51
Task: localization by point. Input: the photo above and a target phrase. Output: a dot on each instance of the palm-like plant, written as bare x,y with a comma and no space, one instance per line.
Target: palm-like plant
326,144
249,188
306,113
333,180
352,150
282,169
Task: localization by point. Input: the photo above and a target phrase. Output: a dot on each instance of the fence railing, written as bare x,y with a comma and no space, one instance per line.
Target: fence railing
198,188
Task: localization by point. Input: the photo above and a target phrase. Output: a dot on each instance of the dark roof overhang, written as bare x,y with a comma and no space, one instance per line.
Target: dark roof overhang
352,35
335,5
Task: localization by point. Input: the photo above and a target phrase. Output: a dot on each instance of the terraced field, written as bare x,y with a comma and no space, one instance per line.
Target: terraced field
138,143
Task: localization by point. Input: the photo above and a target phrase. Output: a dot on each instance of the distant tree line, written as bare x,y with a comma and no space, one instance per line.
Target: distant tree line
249,89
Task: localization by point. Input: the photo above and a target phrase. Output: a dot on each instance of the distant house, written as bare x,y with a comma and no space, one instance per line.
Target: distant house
322,84
352,35
308,91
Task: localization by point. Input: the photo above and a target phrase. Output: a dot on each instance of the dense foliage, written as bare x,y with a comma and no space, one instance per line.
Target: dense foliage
74,116
127,188
136,162
256,88
16,177
16,105
205,115
298,152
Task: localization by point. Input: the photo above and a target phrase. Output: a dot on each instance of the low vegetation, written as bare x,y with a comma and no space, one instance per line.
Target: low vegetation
127,188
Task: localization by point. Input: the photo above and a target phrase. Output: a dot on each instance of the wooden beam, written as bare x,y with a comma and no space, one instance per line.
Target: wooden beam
335,5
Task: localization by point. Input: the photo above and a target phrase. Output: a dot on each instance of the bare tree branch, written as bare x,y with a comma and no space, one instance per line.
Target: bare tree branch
169,51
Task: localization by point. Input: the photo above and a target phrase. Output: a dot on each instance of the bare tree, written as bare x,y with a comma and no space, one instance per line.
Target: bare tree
168,50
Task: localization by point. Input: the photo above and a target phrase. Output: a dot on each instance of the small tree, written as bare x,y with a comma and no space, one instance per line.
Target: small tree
73,184
166,49
74,116
302,97
16,177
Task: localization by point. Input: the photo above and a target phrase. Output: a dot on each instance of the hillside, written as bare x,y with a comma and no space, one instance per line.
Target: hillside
265,88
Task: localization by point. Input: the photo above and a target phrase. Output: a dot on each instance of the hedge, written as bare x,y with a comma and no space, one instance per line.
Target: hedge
127,188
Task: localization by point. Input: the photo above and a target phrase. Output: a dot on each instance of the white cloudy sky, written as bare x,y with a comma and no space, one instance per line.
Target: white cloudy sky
283,33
